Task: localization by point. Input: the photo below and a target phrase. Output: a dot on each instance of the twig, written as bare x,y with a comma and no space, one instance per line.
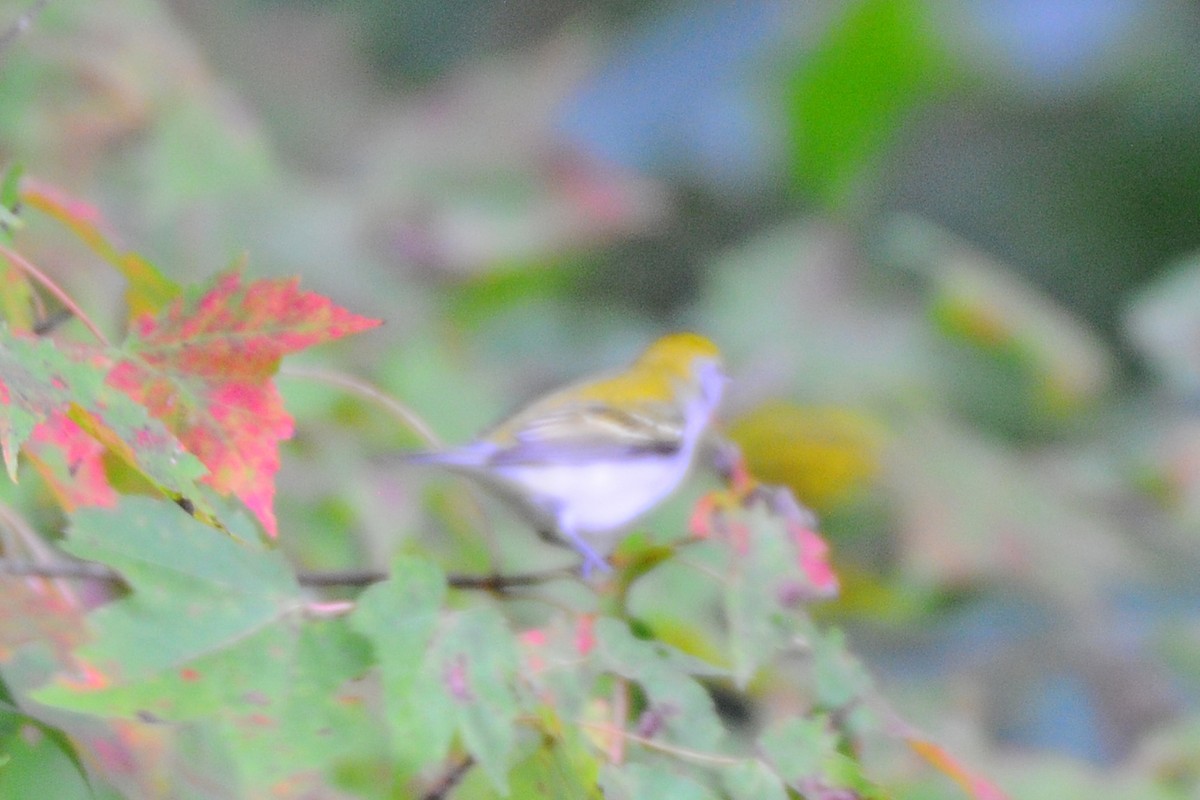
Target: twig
25,539
87,570
23,264
442,788
620,711
368,392
684,753
409,418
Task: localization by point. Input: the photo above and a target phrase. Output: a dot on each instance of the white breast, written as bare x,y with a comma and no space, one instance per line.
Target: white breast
601,496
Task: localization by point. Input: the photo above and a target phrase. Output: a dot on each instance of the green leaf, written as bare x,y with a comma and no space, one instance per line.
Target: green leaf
38,763
399,617
840,678
848,100
804,752
636,781
442,674
475,656
305,719
563,767
800,748
755,588
752,780
201,629
212,631
683,708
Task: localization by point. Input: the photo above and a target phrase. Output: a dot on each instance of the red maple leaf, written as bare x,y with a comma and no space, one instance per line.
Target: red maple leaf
203,365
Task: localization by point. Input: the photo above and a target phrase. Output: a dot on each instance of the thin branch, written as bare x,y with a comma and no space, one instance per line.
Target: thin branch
87,570
23,264
444,785
684,753
368,392
22,24
409,418
25,539
620,711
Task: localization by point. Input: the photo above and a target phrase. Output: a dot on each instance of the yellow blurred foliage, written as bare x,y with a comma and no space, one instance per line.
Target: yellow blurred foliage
823,453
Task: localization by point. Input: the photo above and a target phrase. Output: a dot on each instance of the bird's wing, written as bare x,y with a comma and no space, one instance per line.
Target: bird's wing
588,431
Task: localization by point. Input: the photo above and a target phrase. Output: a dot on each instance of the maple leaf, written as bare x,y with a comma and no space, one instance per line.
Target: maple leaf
52,399
203,365
37,380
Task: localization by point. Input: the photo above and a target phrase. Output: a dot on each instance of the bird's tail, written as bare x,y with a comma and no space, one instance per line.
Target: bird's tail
466,457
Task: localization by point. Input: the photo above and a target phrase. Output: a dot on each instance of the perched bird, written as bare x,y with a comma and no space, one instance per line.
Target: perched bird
584,461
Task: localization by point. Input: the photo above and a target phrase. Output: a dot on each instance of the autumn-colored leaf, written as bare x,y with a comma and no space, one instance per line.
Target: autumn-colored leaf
148,291
42,383
204,366
36,380
16,297
71,462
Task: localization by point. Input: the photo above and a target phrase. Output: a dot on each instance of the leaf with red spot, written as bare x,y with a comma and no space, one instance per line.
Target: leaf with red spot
71,462
204,367
774,563
212,630
43,384
231,595
36,381
442,675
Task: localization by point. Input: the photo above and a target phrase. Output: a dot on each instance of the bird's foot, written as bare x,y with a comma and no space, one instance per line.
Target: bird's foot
592,561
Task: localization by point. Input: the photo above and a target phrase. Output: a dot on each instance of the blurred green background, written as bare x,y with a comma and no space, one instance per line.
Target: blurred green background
948,248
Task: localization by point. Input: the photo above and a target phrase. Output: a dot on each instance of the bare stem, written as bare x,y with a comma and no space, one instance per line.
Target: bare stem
368,392
26,266
409,418
25,539
86,570
444,785
684,753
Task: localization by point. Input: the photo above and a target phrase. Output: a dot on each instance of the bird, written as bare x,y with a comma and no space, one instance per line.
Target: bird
583,462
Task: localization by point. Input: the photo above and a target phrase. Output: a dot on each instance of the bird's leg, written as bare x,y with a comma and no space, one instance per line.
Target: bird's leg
591,559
